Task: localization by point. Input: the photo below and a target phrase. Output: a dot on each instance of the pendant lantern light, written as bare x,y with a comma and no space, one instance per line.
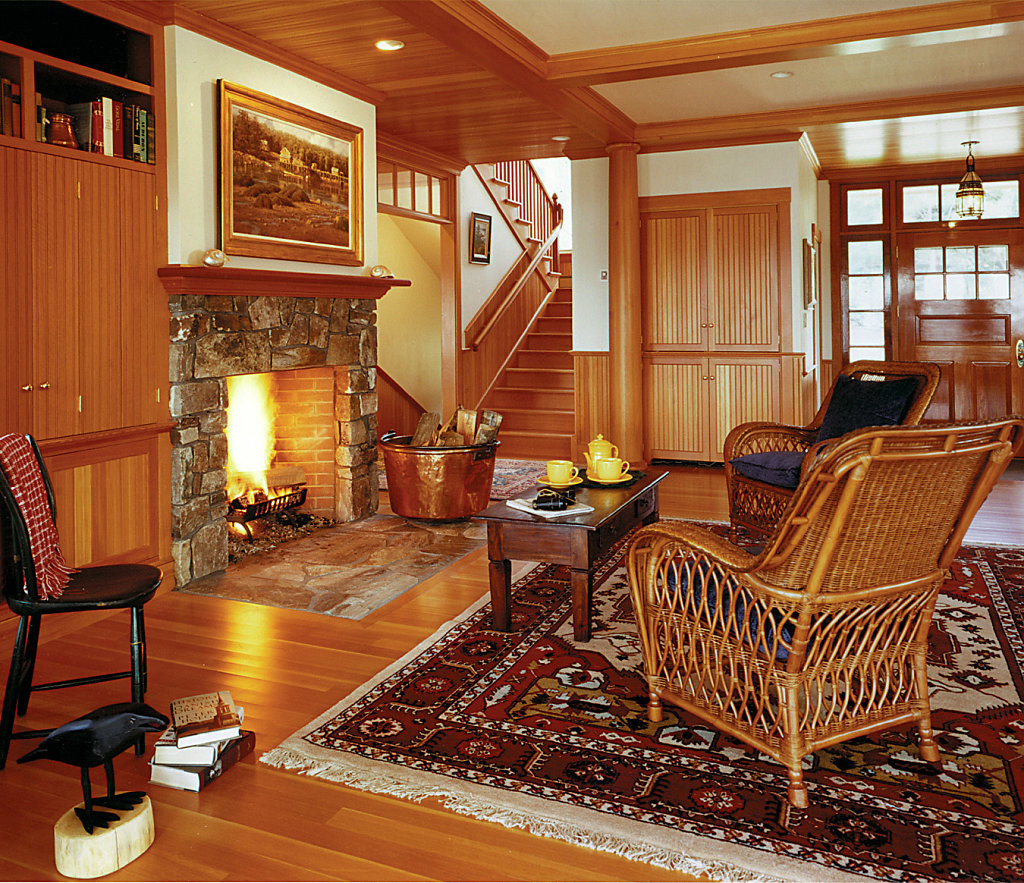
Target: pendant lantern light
970,195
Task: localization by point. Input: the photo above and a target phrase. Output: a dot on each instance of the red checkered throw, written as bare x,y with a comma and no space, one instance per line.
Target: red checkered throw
26,480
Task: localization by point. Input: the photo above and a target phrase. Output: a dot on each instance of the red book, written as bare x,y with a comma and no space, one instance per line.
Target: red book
118,115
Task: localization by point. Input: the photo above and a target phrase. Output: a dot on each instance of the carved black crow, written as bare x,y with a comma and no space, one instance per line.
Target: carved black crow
95,739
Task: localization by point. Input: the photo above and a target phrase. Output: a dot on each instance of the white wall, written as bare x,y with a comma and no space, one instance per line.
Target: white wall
409,319
479,280
752,167
194,64
590,255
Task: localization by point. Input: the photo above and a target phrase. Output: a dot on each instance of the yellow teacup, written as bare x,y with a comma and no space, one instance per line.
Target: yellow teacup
561,471
610,468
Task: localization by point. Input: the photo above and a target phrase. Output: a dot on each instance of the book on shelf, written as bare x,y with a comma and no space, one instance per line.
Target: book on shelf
150,138
117,137
16,107
143,135
207,717
6,107
196,777
94,125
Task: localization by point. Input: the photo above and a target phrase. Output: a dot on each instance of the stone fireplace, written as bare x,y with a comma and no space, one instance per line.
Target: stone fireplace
325,350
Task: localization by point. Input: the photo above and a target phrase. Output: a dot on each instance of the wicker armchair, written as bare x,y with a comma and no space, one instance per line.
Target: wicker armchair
758,505
822,636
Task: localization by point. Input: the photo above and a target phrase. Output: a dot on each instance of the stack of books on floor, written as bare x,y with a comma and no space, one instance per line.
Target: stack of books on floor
205,740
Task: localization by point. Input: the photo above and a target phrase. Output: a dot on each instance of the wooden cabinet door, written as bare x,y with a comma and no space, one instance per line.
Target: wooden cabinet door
676,407
674,287
743,289
961,305
101,335
16,375
143,325
55,280
742,391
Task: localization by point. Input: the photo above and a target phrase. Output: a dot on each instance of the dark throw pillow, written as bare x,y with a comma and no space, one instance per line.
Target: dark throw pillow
859,403
778,468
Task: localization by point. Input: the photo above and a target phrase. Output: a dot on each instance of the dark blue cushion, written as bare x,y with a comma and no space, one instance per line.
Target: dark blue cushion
859,403
778,468
728,586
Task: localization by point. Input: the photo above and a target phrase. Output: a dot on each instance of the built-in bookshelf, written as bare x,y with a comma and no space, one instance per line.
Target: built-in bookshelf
58,59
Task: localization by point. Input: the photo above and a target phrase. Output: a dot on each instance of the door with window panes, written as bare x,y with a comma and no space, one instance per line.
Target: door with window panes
961,305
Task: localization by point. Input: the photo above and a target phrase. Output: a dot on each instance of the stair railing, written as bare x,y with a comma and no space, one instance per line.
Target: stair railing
536,205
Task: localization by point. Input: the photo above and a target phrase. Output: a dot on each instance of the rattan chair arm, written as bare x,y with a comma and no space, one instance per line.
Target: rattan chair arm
753,438
685,537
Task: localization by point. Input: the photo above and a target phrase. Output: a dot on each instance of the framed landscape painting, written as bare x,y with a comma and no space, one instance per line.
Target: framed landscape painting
291,181
479,238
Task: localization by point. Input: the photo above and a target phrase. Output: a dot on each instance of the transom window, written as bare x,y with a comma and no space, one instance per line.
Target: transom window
936,202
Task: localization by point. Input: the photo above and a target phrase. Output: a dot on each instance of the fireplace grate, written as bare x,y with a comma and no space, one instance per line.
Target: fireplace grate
242,513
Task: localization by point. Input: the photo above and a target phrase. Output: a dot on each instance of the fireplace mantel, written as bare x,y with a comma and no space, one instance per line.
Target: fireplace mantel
184,279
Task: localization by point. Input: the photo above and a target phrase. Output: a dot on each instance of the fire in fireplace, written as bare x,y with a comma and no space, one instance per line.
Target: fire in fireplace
255,487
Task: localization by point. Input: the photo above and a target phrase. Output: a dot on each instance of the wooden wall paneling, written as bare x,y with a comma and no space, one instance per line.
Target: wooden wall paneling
16,284
55,287
108,491
100,258
742,391
480,366
676,407
744,286
674,280
396,408
593,406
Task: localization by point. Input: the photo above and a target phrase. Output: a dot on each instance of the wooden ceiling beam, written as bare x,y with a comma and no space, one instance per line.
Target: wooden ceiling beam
779,44
777,125
471,29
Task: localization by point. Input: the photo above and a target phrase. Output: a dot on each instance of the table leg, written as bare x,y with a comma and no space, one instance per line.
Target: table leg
500,574
582,582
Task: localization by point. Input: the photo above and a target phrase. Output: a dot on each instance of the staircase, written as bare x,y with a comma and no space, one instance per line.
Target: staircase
535,394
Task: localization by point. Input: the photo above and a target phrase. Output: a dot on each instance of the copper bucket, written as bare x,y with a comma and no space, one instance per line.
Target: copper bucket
442,484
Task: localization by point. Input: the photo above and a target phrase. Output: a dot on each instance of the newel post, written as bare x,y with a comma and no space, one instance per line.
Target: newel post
624,332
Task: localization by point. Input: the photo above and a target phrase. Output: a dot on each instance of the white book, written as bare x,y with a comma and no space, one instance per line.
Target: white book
108,126
527,506
166,750
208,717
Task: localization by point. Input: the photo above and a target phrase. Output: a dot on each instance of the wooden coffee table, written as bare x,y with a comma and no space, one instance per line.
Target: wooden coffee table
578,541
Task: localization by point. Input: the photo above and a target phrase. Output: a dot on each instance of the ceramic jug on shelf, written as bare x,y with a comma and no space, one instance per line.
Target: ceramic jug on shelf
598,449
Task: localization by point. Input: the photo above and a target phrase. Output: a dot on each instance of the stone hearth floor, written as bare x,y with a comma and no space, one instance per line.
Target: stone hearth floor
349,570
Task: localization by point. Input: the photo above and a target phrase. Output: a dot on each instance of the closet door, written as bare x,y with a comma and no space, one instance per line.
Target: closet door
16,375
674,287
743,297
55,283
677,407
743,390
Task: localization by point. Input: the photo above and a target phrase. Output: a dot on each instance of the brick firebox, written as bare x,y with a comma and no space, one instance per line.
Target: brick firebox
226,322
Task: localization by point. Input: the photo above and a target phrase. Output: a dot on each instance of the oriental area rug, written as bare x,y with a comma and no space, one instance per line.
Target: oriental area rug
531,729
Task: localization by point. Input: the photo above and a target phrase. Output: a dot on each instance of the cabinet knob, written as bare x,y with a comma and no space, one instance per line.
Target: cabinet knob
27,387
44,385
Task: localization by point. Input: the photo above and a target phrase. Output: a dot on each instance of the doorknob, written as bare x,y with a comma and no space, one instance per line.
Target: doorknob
27,387
1020,353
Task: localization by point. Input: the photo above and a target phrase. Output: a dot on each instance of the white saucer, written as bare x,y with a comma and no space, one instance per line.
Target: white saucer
622,480
572,483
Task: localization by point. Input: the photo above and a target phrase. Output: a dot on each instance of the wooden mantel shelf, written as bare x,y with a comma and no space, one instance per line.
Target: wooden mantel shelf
183,279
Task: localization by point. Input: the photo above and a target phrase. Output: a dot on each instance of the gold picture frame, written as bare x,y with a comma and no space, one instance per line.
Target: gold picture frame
291,181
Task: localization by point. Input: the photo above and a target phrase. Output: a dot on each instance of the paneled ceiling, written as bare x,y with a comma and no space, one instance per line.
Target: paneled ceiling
871,82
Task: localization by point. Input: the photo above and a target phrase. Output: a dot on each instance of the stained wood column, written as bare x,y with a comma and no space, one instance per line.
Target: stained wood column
624,338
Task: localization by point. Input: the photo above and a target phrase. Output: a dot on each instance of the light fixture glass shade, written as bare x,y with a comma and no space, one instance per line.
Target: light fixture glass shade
970,195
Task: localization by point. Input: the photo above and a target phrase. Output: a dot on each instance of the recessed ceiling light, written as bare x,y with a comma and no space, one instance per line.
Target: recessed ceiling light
559,137
781,75
389,45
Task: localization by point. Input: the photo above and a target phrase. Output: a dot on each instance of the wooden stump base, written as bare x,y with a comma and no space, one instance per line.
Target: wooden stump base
106,850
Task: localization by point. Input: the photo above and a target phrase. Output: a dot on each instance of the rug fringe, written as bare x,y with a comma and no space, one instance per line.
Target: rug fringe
383,783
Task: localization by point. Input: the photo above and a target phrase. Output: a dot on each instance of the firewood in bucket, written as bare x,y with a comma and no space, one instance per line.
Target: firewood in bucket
425,429
465,425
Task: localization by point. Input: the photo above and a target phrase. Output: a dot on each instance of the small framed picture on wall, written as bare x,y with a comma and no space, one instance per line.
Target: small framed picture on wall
479,238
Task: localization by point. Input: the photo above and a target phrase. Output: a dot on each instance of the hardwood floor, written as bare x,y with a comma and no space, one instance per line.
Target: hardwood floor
285,668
